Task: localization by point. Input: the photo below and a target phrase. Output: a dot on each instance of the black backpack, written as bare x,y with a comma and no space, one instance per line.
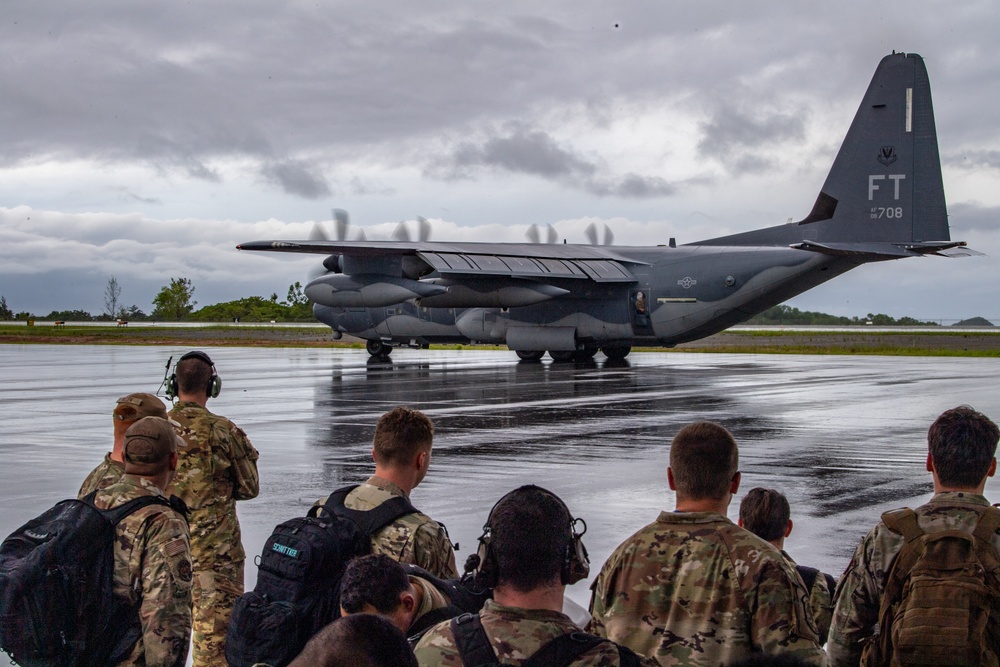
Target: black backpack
298,579
57,606
476,651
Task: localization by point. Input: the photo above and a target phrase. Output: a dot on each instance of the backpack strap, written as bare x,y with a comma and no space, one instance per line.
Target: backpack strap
563,650
336,499
116,514
808,575
473,645
429,620
368,521
627,657
989,522
903,522
831,584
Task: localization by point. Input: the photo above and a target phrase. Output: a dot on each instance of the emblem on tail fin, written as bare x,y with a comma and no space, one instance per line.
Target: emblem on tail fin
887,155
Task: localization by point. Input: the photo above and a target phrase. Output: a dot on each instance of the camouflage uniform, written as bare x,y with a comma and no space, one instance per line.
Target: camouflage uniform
515,635
153,569
693,588
216,468
104,475
820,600
859,593
413,538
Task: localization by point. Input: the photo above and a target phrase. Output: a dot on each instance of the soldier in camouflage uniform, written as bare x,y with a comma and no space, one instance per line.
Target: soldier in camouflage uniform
405,594
693,588
217,467
128,410
766,514
402,452
378,584
961,456
152,552
529,554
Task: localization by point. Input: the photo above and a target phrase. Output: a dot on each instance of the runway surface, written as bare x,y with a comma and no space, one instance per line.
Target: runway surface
843,437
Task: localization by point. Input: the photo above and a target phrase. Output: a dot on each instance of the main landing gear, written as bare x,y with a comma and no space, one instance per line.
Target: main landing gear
615,353
377,348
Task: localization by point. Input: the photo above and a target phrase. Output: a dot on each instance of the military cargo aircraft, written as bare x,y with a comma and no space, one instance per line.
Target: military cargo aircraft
883,199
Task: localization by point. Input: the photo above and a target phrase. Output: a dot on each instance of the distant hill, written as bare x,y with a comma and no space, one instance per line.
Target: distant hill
791,316
974,322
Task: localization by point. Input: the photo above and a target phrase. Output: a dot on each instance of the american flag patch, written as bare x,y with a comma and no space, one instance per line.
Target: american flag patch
174,547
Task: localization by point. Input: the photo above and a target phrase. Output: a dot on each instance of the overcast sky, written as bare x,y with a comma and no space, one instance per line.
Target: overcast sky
144,140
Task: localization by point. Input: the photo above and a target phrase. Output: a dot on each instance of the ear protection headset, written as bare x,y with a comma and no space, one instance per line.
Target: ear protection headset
576,563
214,382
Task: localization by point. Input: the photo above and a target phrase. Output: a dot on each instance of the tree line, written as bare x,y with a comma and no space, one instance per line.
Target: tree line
783,314
175,303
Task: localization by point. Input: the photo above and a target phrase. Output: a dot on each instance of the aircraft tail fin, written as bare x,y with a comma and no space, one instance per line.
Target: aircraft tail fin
885,186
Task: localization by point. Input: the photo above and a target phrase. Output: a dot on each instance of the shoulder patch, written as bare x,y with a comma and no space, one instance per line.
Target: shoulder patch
174,547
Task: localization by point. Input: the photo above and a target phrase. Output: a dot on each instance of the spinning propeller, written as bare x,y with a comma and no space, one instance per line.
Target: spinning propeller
591,232
535,237
402,232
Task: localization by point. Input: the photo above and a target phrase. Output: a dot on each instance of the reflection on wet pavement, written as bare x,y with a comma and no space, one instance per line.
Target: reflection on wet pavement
843,437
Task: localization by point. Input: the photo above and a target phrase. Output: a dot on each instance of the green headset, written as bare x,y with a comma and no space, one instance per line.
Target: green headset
214,382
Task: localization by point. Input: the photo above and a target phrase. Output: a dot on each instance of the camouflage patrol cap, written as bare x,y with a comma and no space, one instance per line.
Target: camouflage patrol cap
150,440
132,407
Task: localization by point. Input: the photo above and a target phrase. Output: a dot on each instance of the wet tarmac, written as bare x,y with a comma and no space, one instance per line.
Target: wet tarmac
843,437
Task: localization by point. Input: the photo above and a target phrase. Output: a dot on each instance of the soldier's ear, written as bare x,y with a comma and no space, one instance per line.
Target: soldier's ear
422,460
788,528
670,479
734,485
174,458
993,467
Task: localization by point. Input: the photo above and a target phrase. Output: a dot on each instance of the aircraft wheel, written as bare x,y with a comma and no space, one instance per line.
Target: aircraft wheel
562,355
530,355
377,348
617,352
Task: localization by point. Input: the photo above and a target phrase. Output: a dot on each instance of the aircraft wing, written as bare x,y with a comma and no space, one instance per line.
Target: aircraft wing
456,260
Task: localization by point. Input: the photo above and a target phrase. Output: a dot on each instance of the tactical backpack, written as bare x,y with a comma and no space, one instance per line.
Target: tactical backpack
57,606
476,651
939,599
298,579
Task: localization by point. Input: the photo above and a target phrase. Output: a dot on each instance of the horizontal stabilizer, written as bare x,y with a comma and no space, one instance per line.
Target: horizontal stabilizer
876,251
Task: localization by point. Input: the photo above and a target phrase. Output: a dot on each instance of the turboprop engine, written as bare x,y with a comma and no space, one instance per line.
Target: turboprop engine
367,290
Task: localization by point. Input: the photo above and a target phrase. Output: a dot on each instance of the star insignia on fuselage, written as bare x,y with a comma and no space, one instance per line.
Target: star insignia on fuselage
686,282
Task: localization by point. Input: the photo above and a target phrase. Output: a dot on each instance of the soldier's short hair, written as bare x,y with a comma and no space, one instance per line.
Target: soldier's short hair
765,513
401,434
962,444
193,375
358,640
374,579
704,458
530,535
